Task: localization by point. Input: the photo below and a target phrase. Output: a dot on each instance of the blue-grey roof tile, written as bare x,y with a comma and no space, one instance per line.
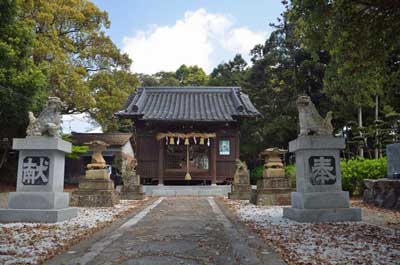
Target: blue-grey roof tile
188,104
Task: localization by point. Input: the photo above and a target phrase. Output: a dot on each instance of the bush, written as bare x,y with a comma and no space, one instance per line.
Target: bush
354,171
290,171
256,174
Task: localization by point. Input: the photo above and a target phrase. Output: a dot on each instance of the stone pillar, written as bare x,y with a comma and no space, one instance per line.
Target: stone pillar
319,196
40,195
393,161
274,187
241,188
96,189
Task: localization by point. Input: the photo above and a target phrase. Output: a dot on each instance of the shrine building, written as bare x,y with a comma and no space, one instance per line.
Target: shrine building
187,134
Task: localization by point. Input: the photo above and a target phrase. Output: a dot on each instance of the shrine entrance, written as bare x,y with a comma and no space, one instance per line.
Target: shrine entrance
187,158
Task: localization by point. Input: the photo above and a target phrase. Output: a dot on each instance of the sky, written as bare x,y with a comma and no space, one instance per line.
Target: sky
161,35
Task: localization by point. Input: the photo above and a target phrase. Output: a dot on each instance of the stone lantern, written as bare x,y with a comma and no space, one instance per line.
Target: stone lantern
96,189
274,187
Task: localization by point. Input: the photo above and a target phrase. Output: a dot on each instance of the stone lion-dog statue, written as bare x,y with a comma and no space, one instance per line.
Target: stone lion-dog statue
311,123
242,175
49,121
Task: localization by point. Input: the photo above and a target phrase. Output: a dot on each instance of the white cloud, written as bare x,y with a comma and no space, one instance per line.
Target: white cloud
242,40
199,38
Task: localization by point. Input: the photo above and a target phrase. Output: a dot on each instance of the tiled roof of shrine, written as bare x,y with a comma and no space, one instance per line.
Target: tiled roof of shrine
205,104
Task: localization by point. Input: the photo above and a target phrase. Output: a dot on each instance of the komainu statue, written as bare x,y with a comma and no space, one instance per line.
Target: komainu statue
242,175
48,122
311,123
241,188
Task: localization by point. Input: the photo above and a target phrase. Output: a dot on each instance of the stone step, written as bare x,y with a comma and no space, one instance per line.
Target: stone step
219,190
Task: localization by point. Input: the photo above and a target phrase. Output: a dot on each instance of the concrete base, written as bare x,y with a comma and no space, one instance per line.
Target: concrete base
320,200
132,196
37,215
38,200
95,198
269,199
239,195
323,215
240,192
132,193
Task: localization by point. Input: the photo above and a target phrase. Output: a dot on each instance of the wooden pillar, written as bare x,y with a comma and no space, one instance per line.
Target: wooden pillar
161,162
214,161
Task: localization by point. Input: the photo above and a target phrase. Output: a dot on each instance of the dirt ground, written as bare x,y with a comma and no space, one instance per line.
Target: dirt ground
378,216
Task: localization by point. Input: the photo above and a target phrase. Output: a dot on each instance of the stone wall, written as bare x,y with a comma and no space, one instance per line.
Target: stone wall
383,193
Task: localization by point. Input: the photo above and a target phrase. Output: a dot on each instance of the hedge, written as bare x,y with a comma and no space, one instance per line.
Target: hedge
354,171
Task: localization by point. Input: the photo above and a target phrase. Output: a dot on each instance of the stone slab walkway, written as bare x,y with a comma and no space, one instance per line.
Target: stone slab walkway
180,230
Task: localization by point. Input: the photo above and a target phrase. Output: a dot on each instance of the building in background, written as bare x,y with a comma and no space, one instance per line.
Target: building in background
119,151
187,134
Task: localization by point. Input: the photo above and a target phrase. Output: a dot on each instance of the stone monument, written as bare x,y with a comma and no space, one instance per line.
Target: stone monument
393,161
385,192
241,188
96,189
131,190
40,195
319,196
274,187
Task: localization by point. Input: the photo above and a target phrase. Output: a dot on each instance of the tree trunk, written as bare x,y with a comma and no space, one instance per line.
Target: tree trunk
360,125
376,129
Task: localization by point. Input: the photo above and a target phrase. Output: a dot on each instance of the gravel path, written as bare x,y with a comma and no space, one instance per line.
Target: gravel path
180,230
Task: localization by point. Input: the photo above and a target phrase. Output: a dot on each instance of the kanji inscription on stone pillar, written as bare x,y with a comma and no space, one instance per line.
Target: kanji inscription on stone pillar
35,170
322,170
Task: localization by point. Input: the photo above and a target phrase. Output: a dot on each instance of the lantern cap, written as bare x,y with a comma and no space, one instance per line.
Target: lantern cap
273,150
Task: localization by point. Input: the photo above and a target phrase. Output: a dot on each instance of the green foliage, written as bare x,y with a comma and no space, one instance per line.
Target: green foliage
256,174
110,91
191,76
69,46
183,76
281,71
290,171
77,150
362,40
232,73
354,171
21,82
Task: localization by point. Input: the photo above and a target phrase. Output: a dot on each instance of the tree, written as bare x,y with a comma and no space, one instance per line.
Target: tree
281,70
166,79
191,76
232,73
21,83
362,39
69,46
110,91
183,76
